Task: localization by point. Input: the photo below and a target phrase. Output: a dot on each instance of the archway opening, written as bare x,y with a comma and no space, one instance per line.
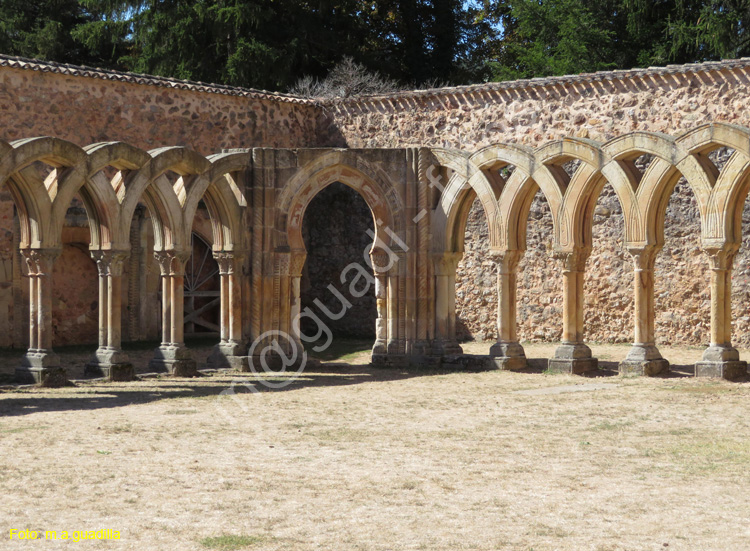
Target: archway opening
337,230
681,291
476,282
608,281
540,296
75,283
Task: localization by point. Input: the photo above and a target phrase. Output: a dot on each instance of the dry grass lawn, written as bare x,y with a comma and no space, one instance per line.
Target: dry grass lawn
352,458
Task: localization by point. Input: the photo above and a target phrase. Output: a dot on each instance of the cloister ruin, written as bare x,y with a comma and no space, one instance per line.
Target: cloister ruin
256,189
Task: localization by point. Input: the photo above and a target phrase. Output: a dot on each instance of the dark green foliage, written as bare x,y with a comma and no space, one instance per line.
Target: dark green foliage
272,43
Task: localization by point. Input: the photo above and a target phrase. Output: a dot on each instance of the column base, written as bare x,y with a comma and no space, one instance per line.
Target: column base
421,348
644,359
726,370
49,377
41,367
380,348
424,362
119,372
229,355
648,368
721,361
507,356
446,348
572,358
175,360
112,364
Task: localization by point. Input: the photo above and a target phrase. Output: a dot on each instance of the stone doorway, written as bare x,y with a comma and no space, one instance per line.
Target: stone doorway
335,230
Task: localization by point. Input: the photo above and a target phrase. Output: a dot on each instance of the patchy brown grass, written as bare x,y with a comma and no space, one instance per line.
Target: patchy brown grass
349,457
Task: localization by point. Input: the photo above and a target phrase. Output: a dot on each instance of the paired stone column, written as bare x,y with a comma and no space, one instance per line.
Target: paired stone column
573,356
40,364
109,360
507,353
231,351
721,359
172,356
380,262
644,358
445,304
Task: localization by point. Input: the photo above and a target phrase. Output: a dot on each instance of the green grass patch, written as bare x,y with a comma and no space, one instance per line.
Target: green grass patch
341,350
228,542
708,388
181,411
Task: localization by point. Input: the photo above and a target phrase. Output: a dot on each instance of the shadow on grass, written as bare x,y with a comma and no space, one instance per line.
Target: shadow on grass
333,371
101,395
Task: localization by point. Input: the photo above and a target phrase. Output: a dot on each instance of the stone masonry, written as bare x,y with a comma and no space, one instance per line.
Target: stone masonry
542,209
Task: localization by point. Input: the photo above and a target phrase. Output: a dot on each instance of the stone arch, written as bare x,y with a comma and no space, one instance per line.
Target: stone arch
516,194
224,199
466,184
164,201
580,192
729,188
451,215
34,197
98,194
381,196
643,197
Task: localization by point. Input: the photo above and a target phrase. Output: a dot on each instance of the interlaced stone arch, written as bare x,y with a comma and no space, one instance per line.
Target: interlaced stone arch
223,198
163,200
463,186
256,201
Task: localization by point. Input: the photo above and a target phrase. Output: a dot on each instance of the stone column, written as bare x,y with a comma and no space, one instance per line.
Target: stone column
445,304
721,359
230,353
507,353
40,364
644,358
379,266
109,360
573,356
172,356
393,348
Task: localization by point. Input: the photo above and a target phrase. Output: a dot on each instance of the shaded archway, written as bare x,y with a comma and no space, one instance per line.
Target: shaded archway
337,230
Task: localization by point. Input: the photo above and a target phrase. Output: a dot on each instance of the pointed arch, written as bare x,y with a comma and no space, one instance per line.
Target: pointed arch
99,197
33,197
224,199
160,197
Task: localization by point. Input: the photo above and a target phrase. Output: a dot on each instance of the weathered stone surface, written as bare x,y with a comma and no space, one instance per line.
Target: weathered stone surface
257,199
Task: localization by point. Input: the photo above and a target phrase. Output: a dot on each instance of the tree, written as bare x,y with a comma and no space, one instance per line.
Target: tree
709,29
41,29
553,37
346,79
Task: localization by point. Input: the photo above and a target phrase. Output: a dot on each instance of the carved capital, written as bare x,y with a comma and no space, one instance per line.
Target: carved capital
172,263
446,263
297,263
644,257
40,261
506,261
721,258
227,261
381,262
575,260
109,263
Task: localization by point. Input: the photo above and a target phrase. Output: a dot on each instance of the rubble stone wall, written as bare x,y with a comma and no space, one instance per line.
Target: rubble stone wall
601,108
90,110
